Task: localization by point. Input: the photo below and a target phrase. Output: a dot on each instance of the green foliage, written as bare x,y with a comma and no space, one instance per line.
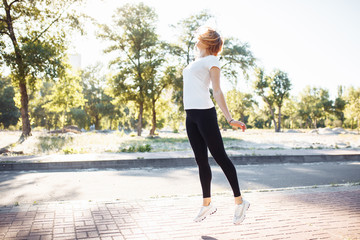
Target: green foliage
98,103
147,87
40,116
273,89
137,148
280,86
186,29
240,105
314,104
51,143
9,113
339,105
33,41
290,113
69,150
259,118
236,57
352,109
134,38
66,94
79,118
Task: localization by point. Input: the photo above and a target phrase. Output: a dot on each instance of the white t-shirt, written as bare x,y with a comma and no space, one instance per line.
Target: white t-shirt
196,77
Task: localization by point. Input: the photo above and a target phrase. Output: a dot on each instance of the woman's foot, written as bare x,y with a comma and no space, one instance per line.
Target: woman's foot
240,211
204,212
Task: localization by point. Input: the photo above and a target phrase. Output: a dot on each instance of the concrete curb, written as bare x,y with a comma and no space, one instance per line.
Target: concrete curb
172,162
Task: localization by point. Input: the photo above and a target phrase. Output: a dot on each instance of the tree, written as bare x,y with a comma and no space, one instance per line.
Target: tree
186,29
32,41
314,104
352,109
66,94
236,59
259,118
37,99
9,113
240,104
133,37
156,87
273,89
290,113
339,105
98,103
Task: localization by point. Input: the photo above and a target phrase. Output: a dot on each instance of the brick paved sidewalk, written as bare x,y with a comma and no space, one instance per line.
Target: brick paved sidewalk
312,213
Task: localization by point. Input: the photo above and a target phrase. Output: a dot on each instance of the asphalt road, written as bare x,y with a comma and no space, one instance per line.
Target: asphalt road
111,184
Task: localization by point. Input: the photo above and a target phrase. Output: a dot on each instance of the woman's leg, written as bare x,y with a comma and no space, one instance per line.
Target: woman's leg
201,156
210,132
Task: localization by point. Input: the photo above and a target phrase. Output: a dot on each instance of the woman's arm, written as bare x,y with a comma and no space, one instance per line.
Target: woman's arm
220,99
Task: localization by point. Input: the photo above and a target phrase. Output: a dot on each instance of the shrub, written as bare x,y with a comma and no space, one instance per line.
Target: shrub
52,143
144,148
139,148
69,150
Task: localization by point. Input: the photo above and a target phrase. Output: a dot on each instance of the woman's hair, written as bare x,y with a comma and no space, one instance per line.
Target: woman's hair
211,39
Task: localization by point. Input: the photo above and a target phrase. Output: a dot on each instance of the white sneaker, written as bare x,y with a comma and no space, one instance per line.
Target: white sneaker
240,212
204,212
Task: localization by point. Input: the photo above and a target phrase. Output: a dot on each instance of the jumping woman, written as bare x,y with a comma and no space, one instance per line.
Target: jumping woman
201,121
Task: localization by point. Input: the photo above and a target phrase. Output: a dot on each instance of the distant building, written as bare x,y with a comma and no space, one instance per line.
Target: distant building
75,61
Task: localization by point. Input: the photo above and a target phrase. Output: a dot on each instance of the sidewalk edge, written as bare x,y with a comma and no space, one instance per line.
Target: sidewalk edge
172,162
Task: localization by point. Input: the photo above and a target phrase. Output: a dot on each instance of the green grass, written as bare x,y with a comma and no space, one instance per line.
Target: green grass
70,150
154,144
137,148
52,143
119,141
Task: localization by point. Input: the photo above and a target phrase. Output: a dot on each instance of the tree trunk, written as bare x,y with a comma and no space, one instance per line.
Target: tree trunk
279,120
111,120
26,129
274,120
141,110
242,117
276,125
97,122
153,128
272,112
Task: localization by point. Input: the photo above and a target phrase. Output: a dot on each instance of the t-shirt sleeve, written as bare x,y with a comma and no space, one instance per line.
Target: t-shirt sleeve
213,62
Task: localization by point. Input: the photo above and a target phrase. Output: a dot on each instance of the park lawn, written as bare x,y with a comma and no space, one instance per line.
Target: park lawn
99,142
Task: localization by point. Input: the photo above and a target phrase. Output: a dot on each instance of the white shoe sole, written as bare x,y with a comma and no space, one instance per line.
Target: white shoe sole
247,205
211,212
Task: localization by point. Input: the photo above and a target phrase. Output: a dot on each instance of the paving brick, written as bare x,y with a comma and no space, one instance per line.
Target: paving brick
46,237
81,235
291,214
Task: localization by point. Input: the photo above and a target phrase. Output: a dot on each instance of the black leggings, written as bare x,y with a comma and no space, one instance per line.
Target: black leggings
203,132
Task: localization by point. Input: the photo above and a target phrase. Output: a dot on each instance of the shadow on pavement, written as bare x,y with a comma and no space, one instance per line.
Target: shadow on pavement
208,238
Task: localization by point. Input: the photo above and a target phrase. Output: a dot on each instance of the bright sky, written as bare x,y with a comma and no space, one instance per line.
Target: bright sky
317,42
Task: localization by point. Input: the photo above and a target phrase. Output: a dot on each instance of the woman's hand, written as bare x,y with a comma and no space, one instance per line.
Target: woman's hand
239,124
